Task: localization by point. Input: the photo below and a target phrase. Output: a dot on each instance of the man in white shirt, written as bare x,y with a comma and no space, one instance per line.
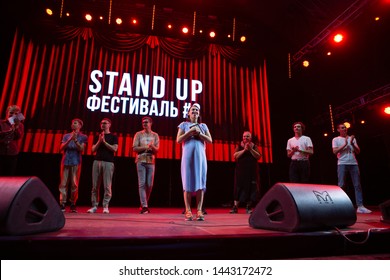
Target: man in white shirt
345,147
299,148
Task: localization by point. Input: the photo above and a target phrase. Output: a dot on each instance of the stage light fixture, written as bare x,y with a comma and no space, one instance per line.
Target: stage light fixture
338,38
347,124
88,17
329,53
49,12
362,121
325,134
387,110
212,34
134,21
243,39
305,63
185,30
118,21
67,14
101,17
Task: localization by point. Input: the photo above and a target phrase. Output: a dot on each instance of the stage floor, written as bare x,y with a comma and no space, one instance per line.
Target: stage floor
164,234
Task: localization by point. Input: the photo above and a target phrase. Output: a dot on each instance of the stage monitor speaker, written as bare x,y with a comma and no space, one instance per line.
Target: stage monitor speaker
27,206
385,210
303,207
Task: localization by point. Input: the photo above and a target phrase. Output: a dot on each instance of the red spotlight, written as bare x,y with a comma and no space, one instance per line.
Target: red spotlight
338,38
387,110
134,21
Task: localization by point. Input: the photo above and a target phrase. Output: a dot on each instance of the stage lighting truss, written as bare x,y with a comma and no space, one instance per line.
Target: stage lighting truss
150,19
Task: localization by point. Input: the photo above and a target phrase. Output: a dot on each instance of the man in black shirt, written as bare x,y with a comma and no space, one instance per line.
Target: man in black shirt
106,144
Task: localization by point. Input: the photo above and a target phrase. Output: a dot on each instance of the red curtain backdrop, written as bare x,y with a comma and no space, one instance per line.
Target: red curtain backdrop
49,77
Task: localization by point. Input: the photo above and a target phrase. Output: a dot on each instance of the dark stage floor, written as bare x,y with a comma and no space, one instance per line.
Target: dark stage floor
163,234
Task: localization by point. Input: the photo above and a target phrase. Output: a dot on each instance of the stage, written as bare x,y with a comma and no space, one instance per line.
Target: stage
164,234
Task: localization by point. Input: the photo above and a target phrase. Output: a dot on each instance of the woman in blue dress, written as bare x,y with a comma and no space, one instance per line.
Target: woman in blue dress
193,136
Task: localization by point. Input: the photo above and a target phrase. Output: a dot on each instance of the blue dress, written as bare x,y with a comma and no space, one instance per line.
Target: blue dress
193,160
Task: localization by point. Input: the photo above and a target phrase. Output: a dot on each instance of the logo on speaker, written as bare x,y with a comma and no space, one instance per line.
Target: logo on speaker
323,197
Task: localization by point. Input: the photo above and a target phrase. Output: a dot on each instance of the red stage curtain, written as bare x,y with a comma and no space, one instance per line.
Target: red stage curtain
49,76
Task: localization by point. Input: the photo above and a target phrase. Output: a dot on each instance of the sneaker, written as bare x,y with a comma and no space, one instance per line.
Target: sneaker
234,210
199,216
105,210
144,210
188,216
92,210
62,207
363,210
73,208
249,210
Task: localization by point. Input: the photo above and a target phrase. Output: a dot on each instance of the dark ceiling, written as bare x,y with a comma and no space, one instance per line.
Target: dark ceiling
276,28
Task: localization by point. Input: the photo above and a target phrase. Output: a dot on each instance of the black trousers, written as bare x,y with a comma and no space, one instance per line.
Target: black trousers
299,171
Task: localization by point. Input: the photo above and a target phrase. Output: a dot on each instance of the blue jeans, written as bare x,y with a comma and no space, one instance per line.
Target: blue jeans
145,181
353,170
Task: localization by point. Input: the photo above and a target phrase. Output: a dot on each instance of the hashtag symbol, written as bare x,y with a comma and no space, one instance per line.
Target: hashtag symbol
186,107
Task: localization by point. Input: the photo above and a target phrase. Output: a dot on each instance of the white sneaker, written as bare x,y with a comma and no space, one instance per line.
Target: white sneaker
92,210
363,210
105,210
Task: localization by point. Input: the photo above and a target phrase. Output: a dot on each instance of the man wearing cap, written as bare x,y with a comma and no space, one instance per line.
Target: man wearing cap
72,146
146,144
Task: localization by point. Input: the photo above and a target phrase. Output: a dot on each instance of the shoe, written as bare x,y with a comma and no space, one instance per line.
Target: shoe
188,216
234,210
105,210
249,210
363,210
92,210
62,207
199,216
73,208
204,211
145,210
